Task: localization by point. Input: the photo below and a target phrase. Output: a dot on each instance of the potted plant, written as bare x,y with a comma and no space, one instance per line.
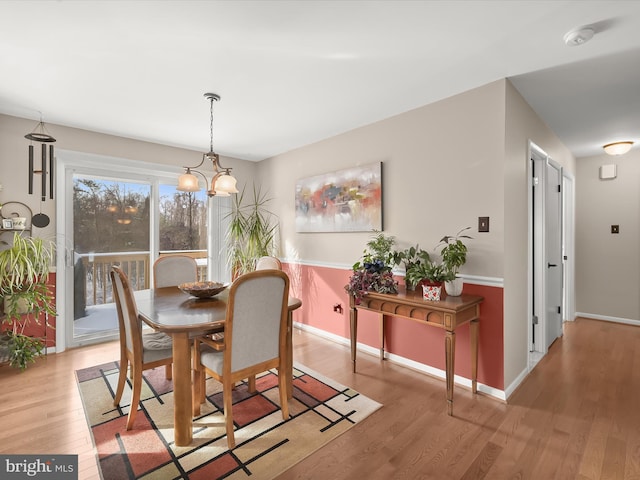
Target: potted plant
252,232
373,271
24,272
454,255
412,259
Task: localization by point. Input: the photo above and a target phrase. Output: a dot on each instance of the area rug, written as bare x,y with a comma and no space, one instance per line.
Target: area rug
266,445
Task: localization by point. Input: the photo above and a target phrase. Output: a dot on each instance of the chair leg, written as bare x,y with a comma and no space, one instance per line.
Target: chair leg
228,413
198,388
168,371
252,384
135,397
122,377
284,396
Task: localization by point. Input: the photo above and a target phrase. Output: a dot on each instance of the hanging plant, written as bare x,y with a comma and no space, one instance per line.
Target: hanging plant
24,272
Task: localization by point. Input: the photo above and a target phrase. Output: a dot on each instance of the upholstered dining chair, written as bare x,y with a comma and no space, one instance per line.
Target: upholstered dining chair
254,341
172,270
141,351
268,263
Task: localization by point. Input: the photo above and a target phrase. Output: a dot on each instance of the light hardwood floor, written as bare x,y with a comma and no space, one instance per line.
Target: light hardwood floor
576,416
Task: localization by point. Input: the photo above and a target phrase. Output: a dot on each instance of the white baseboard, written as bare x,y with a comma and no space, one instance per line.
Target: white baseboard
421,367
606,318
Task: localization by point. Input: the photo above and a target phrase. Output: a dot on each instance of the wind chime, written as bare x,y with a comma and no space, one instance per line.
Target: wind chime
39,135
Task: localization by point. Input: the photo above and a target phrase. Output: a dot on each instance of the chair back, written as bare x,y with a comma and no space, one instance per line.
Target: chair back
129,324
256,325
172,270
268,263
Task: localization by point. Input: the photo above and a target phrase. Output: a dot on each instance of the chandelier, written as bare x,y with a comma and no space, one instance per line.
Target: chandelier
223,183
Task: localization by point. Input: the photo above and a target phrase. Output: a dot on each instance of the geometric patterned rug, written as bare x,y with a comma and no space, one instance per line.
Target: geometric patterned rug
266,445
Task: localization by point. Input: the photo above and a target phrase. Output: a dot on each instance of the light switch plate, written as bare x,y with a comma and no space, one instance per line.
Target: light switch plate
483,224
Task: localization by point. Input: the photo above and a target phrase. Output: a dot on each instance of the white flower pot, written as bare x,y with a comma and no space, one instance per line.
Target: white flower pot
454,287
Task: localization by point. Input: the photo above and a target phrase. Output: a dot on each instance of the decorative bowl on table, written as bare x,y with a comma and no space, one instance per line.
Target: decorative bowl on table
202,289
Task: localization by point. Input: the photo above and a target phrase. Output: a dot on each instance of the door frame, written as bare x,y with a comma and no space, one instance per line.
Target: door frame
536,300
69,162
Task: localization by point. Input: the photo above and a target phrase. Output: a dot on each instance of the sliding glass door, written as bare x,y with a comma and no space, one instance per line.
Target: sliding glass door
111,226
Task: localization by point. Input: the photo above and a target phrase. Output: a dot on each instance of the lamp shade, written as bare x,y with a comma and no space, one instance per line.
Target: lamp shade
188,182
618,148
225,184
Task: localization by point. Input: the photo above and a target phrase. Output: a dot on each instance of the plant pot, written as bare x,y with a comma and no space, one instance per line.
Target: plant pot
454,287
23,306
431,292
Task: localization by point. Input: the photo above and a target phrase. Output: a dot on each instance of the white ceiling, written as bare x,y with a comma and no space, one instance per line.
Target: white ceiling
291,73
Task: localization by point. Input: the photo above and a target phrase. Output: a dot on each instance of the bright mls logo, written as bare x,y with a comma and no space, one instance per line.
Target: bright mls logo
51,467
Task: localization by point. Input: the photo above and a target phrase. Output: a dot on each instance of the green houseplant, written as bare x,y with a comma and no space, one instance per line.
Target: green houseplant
412,259
252,231
373,271
24,272
454,255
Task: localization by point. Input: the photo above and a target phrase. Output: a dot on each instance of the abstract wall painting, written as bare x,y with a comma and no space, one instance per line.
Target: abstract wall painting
347,200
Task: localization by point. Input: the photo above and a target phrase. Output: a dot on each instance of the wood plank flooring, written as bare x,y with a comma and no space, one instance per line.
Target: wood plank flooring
576,416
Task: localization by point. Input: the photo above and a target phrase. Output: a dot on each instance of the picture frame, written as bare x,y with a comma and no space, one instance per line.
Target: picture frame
7,224
348,200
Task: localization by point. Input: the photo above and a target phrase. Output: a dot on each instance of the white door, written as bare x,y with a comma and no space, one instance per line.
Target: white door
553,252
546,265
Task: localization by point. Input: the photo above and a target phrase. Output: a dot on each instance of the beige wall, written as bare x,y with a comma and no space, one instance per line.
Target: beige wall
13,159
608,265
442,169
521,126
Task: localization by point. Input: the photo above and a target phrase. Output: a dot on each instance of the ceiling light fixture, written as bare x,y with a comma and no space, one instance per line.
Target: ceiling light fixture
618,148
578,36
223,183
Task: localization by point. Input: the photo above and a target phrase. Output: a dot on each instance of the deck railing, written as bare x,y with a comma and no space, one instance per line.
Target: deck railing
92,273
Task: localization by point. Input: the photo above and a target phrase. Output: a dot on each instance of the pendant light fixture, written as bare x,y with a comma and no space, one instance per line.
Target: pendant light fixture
39,134
223,183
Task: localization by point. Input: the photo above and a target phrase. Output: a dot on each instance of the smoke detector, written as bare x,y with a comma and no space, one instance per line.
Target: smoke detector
578,36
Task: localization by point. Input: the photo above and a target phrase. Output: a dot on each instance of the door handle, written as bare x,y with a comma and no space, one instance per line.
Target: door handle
549,265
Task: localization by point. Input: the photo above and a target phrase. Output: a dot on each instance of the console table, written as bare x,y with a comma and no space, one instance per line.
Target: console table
447,314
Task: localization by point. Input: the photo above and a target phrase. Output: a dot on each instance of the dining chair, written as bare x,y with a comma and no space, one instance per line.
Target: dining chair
138,350
172,270
268,263
255,341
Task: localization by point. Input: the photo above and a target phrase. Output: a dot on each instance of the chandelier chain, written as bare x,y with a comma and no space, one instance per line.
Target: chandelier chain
211,125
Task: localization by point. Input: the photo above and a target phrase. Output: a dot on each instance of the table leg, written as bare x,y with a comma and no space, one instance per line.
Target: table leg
289,379
354,334
450,353
382,336
182,403
473,327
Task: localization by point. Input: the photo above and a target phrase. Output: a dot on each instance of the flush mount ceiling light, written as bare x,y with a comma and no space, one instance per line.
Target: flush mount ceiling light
618,148
223,183
578,36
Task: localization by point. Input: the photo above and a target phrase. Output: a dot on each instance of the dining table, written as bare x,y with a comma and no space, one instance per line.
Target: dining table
176,313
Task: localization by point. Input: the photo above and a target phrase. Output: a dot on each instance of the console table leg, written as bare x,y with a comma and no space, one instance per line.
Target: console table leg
381,336
473,327
450,351
353,317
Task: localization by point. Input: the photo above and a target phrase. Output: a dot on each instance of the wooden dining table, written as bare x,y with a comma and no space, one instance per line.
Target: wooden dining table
182,316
